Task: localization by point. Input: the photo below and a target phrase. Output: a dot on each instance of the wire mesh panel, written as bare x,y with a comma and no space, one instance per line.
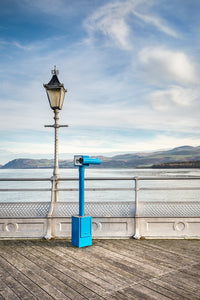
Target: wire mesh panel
169,209
22,209
96,209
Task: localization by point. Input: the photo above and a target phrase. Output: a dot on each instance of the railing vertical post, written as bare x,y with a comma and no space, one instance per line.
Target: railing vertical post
51,208
137,223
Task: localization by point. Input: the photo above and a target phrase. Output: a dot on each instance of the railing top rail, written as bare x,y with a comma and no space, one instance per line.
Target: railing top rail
169,178
107,178
66,202
146,178
137,178
102,202
149,202
25,179
98,178
26,202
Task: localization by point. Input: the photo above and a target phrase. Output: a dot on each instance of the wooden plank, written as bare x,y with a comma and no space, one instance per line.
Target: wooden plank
83,259
128,269
31,261
89,266
88,273
139,292
153,265
177,288
110,269
61,288
15,281
112,274
6,292
194,269
100,264
188,280
187,249
152,249
31,273
192,274
181,281
56,270
127,263
122,295
72,270
83,271
125,242
172,258
164,290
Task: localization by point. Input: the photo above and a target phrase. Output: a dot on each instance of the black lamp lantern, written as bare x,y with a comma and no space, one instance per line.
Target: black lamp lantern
55,91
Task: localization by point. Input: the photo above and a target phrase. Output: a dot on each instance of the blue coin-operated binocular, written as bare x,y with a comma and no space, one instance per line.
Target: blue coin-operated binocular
83,160
82,225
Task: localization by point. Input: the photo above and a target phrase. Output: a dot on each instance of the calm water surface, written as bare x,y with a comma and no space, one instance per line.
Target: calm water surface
164,195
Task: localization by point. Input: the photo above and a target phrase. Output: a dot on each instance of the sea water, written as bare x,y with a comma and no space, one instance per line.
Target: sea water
145,194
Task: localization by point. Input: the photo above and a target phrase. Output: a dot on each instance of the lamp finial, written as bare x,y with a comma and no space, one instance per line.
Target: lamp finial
55,72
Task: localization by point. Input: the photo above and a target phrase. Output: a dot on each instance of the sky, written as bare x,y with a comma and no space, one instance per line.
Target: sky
130,67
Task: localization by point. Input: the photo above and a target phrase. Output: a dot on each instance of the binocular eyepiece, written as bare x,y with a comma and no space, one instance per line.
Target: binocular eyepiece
83,160
80,160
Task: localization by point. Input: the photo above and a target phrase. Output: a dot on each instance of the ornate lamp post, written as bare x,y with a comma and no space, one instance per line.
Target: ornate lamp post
55,93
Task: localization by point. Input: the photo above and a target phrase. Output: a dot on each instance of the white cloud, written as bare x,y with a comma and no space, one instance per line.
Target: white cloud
91,145
168,65
114,18
110,20
163,142
17,44
163,100
120,32
126,144
157,22
106,98
126,117
20,46
29,148
95,100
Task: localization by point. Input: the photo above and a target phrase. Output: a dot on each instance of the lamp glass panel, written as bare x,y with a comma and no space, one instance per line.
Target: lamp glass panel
62,95
54,97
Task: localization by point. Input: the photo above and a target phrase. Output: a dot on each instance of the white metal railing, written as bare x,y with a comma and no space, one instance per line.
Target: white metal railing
135,208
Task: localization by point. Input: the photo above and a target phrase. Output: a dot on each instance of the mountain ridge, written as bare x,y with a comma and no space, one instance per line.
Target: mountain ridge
181,155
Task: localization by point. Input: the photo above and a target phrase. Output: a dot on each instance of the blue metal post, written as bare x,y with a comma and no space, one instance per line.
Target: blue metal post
82,225
81,191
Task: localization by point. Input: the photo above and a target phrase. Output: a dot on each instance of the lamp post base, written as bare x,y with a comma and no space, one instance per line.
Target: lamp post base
81,231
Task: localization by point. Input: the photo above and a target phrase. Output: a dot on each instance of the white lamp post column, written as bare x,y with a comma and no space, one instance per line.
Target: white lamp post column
56,93
56,126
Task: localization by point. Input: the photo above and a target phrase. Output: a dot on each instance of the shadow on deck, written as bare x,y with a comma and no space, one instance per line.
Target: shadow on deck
110,269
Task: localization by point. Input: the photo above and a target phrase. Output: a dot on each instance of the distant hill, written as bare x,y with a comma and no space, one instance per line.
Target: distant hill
24,163
142,160
178,165
185,155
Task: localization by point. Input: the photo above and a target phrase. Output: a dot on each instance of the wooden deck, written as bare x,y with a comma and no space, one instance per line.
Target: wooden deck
110,269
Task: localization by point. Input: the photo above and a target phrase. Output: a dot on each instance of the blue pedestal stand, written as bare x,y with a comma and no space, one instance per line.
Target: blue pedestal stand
81,225
81,231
